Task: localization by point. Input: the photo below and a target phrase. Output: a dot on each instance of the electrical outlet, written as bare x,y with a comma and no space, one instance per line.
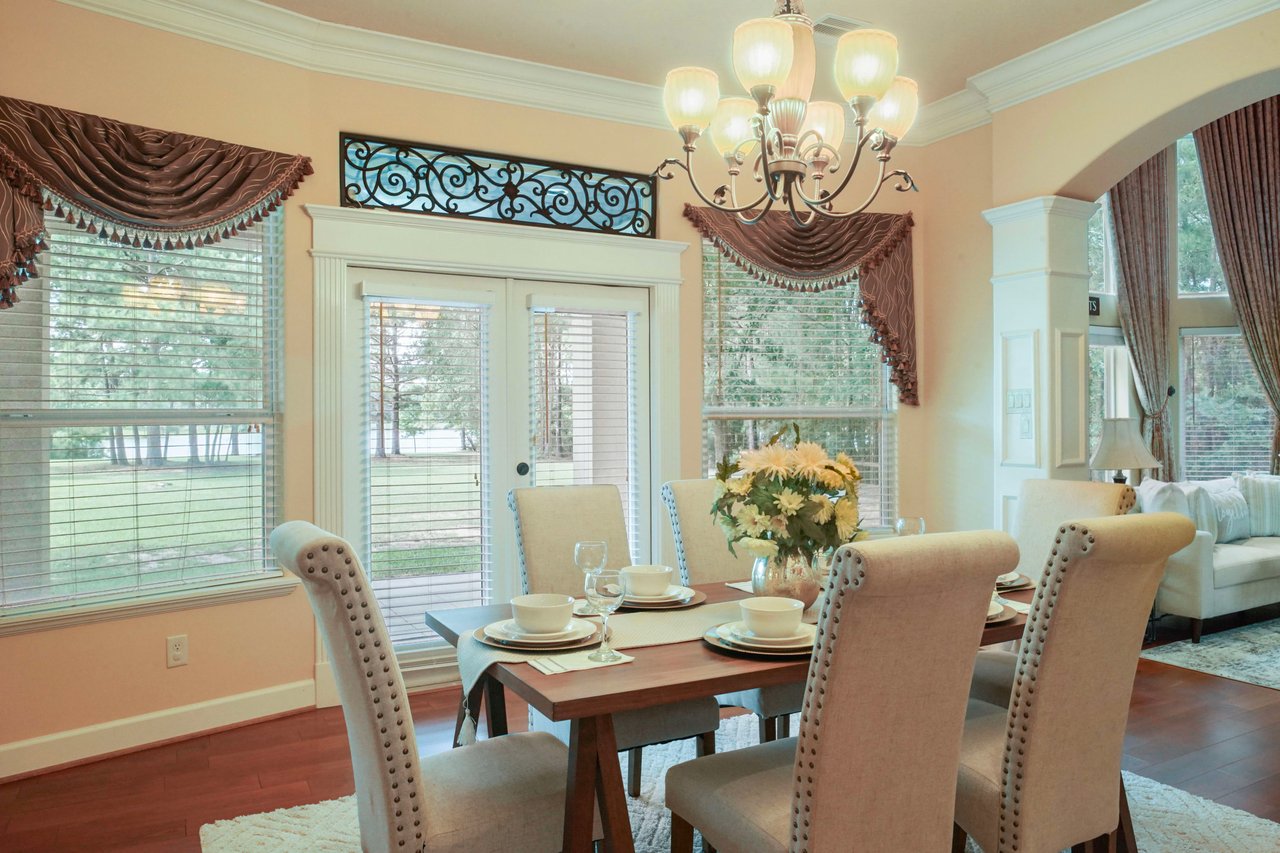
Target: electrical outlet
176,650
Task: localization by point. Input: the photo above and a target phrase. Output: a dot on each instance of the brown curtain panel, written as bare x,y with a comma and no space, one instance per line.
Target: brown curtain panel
131,184
1140,229
1240,161
873,249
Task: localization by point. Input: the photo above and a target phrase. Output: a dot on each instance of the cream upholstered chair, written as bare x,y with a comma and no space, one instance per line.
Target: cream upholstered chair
404,803
549,520
1040,760
704,557
887,686
1043,506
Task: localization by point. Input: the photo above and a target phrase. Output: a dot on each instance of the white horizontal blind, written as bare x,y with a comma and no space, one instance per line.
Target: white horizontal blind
138,407
1226,421
427,447
582,372
772,357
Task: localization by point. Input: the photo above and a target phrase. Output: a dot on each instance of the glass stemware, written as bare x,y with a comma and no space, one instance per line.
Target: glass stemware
590,556
605,589
910,525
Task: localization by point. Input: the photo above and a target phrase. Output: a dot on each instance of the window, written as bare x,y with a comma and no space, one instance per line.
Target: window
1226,422
774,356
1102,263
1110,382
1199,270
138,409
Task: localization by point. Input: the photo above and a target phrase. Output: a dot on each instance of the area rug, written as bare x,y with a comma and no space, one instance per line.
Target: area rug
1166,820
1250,653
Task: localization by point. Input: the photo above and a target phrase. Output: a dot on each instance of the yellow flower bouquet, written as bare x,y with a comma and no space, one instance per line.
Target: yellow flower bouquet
781,502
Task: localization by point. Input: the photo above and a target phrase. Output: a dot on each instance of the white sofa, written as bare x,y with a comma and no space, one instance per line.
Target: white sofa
1220,572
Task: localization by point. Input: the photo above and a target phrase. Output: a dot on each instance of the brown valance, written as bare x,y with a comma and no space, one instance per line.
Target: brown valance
873,249
131,184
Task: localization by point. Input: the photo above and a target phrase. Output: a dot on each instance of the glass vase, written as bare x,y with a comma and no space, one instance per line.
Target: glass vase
793,576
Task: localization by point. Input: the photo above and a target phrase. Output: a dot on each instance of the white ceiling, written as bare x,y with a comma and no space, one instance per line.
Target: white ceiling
942,42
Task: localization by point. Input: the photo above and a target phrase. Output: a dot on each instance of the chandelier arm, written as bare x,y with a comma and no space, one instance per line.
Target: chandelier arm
863,140
752,220
762,162
663,172
907,183
804,223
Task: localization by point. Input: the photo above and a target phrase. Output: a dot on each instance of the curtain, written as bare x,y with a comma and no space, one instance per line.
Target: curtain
1240,162
1140,228
873,249
130,184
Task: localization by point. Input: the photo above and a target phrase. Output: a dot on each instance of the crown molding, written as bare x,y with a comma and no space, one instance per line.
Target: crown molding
273,33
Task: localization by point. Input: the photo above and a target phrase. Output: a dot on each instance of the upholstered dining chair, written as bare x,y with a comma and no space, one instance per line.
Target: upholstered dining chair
1044,733
403,802
549,521
874,764
1043,506
704,557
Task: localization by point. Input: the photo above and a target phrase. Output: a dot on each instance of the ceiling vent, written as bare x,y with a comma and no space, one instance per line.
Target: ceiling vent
834,26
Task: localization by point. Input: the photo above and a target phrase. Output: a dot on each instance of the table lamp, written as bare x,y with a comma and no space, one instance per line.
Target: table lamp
1121,447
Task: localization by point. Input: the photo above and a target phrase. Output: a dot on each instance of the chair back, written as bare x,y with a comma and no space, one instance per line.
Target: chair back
702,550
887,689
1076,663
384,752
1045,505
551,519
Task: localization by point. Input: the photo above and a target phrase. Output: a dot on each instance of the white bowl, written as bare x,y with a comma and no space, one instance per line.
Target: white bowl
771,616
542,613
647,580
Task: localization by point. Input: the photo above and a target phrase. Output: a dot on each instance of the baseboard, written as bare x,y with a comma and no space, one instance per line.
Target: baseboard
23,757
326,687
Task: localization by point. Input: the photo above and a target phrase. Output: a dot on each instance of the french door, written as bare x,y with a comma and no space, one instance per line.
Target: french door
474,386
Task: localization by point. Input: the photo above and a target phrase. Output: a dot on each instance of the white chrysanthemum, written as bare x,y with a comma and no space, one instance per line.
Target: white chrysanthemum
830,478
846,466
808,459
770,460
759,547
825,508
846,519
738,486
789,502
751,521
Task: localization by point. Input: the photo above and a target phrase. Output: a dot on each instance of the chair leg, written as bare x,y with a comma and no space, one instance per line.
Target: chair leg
959,838
635,758
1197,625
784,726
768,729
1125,840
681,835
706,744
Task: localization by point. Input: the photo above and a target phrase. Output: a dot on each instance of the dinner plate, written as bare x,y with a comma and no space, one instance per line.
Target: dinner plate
677,604
737,633
507,631
673,593
591,639
1007,578
1006,613
1020,582
994,609
713,639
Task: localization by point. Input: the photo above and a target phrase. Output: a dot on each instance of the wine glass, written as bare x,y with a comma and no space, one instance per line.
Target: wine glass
590,556
909,525
605,588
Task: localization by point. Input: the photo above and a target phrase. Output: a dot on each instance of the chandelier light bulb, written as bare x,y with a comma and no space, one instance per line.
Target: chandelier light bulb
896,111
866,62
826,118
763,51
690,97
731,125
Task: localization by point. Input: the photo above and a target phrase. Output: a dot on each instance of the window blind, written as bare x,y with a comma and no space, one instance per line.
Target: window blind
1226,421
138,411
427,451
583,404
772,357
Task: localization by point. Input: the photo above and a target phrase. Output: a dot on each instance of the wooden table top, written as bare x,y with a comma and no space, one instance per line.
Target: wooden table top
673,672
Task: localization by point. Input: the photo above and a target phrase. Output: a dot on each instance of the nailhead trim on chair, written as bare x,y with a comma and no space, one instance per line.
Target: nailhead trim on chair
845,579
369,634
1072,540
669,498
524,569
1128,500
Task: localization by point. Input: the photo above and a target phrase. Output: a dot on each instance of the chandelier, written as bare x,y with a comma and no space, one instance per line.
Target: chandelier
792,144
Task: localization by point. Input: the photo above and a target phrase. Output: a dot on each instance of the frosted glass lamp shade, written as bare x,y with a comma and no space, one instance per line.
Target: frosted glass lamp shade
866,62
896,111
827,119
1122,447
763,49
690,97
799,83
731,124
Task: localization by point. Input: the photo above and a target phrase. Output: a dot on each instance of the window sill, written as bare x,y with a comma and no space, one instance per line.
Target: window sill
232,593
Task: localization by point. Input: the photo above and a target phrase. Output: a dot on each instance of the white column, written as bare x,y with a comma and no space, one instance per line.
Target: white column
1040,289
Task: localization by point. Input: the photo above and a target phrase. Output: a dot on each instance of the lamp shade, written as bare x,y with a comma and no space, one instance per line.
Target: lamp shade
866,62
827,119
763,49
896,111
690,97
731,125
799,82
1121,447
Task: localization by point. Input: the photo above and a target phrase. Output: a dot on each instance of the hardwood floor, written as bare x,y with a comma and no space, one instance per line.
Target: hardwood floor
1212,736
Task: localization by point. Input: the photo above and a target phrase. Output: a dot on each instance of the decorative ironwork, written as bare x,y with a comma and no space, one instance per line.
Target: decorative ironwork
439,181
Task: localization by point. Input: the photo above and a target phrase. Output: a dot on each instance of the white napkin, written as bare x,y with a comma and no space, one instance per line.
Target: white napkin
556,664
743,586
1019,606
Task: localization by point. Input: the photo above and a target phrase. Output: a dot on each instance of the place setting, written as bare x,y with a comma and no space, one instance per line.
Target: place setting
770,627
1012,582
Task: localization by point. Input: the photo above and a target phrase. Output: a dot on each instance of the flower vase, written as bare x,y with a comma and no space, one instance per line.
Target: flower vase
793,576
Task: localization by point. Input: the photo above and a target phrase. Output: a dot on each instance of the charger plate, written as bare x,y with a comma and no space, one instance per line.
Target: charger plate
1005,615
585,643
713,639
679,604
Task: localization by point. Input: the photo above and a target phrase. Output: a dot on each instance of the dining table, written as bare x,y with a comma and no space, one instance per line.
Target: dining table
659,674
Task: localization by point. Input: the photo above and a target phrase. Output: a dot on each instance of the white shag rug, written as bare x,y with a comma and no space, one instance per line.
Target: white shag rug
1250,653
1166,820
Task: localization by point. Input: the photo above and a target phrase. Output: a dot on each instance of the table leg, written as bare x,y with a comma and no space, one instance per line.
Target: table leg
595,775
495,706
613,802
1126,842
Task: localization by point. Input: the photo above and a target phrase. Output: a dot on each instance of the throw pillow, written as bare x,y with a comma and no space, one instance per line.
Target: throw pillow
1232,511
1201,507
1262,493
1159,496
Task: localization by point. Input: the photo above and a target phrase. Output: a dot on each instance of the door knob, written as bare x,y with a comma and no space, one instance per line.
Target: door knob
522,468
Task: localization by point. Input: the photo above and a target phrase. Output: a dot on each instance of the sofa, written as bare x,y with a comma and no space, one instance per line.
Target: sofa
1234,562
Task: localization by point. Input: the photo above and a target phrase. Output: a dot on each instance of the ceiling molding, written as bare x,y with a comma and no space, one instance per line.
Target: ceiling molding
284,36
